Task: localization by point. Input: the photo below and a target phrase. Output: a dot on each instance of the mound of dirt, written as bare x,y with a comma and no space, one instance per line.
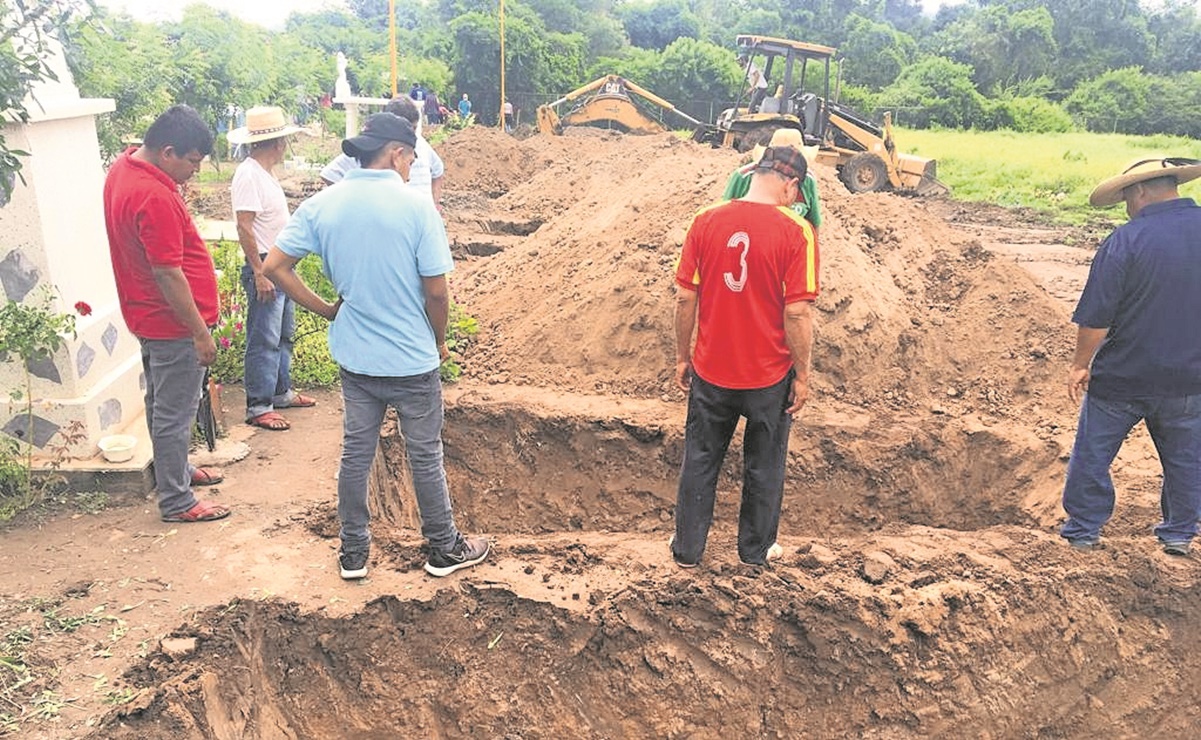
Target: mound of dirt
912,313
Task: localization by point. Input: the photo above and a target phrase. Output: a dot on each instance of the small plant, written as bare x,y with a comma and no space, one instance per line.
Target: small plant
30,332
461,330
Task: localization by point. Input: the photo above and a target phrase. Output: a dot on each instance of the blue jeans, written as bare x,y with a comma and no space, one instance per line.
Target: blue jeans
418,402
270,331
713,414
173,379
1175,427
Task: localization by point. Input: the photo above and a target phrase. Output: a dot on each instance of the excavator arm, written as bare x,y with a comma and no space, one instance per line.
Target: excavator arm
609,106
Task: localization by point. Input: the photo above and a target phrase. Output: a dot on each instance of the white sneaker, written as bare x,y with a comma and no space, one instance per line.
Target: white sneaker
775,552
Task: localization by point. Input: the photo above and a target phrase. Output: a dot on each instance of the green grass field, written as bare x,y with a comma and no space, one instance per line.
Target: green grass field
1053,173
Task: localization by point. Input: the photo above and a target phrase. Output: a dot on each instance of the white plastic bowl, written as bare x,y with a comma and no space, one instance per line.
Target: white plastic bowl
118,447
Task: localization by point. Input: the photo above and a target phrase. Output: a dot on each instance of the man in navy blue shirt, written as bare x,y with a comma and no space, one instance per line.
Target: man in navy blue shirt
1138,352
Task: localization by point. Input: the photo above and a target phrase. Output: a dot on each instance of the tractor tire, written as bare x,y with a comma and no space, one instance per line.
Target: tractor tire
864,173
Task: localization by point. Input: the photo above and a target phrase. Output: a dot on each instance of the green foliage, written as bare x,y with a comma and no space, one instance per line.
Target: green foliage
29,332
312,365
874,52
1032,115
935,92
1000,44
699,72
660,24
461,330
1115,102
26,31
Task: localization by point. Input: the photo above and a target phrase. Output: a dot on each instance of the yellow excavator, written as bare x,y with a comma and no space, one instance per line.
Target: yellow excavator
863,152
607,103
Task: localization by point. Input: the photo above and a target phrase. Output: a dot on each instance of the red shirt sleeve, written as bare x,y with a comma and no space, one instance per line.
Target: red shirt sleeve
688,274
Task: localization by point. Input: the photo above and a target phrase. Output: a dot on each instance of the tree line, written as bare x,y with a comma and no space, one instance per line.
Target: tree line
1027,65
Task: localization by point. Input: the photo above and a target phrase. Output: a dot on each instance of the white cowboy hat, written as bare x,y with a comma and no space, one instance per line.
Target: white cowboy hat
262,123
1109,192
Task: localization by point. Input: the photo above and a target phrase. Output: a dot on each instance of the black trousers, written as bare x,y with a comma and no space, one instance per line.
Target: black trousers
713,414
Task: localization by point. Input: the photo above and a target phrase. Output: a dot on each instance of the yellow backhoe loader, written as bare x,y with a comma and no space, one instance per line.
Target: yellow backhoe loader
607,103
863,152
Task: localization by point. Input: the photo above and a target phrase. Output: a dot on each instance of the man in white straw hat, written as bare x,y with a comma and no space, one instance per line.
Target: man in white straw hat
1138,352
261,210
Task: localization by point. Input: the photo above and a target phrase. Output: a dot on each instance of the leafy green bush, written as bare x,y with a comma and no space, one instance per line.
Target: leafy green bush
1032,115
936,91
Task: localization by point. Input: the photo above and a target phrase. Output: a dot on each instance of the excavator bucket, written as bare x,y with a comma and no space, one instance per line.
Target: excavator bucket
920,175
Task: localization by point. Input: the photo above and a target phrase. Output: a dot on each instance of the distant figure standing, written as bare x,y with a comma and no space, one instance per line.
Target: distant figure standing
464,107
433,113
168,293
746,283
507,108
1138,353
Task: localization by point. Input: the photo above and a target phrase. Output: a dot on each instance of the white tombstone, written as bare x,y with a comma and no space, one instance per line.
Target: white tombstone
55,243
349,101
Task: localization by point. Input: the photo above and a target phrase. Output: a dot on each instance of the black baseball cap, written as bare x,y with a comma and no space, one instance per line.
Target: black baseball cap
379,129
786,160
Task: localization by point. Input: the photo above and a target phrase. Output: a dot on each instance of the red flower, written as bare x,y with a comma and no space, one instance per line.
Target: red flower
225,342
83,308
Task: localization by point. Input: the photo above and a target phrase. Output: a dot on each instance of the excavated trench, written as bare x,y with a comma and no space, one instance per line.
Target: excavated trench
947,637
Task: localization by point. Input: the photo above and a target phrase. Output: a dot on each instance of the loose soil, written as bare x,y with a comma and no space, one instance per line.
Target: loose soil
923,590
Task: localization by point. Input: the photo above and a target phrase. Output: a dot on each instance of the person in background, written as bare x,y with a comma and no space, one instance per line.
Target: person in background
1138,353
433,109
384,248
746,282
507,108
261,211
464,107
756,83
167,287
739,182
427,171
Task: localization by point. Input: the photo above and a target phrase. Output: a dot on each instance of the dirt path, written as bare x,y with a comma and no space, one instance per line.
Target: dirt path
923,591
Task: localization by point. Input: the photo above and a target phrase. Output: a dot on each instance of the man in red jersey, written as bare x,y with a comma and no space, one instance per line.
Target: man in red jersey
746,283
168,292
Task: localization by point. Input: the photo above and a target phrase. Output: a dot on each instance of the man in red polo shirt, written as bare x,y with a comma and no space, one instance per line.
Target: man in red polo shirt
168,292
746,283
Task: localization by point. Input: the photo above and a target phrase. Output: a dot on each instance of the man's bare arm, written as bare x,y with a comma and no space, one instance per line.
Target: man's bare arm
685,321
437,309
1087,342
280,269
798,335
250,248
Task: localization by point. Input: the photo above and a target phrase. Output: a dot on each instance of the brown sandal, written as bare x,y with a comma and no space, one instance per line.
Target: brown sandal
270,420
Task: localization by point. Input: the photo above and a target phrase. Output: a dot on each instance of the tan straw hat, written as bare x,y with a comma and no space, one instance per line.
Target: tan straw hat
262,123
780,137
1109,192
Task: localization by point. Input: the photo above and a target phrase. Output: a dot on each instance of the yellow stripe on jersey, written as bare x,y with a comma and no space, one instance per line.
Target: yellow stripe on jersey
810,248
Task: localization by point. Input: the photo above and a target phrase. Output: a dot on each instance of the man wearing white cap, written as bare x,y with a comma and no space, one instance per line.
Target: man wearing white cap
1138,352
261,210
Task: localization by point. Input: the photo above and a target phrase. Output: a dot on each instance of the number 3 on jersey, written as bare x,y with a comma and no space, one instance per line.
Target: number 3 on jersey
740,239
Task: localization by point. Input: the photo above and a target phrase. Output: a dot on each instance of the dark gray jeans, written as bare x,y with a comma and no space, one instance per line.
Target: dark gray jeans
713,414
173,379
418,402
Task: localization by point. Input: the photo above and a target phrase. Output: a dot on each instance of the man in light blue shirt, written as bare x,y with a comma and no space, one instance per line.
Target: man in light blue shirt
384,248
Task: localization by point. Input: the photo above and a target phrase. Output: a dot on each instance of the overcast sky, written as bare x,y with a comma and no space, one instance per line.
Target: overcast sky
270,13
